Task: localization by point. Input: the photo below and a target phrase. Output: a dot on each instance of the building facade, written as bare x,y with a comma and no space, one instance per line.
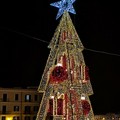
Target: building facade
23,104
19,104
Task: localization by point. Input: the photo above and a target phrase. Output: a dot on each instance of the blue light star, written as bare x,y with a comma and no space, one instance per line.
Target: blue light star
64,5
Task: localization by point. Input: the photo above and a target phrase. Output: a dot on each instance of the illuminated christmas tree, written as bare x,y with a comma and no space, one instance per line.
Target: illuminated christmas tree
65,82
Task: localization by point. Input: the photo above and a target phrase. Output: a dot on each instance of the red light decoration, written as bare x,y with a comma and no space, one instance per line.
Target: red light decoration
64,35
85,106
50,110
59,74
87,73
59,106
64,61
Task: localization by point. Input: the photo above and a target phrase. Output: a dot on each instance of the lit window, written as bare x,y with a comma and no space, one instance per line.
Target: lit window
27,98
16,118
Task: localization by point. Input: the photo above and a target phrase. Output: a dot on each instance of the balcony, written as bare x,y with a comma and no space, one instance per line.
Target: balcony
5,112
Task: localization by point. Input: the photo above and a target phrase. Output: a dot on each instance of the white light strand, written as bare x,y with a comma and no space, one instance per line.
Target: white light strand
92,50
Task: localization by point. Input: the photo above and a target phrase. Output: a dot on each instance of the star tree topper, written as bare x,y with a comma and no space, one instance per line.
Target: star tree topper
64,5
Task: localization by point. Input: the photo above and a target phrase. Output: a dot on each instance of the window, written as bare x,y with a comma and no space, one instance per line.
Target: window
3,118
16,97
4,109
34,118
16,118
36,97
4,97
16,108
35,108
27,109
27,98
27,117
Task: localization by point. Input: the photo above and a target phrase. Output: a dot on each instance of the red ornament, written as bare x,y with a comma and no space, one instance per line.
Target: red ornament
86,107
59,74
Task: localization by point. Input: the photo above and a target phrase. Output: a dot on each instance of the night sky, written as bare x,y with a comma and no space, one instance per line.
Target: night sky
23,55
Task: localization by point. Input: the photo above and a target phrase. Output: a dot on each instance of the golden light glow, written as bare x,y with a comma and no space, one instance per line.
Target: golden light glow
82,97
59,64
9,118
52,97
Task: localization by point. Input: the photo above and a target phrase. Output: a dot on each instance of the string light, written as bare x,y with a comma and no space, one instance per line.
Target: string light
29,36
